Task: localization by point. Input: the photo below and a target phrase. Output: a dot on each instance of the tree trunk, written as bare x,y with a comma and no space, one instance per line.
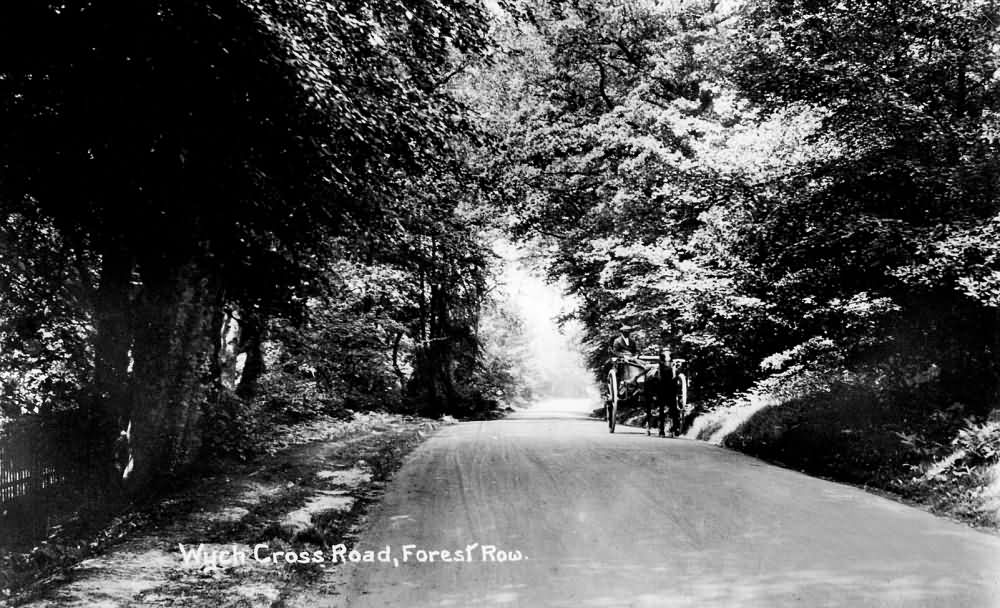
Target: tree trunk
395,360
217,330
432,380
113,335
107,409
253,328
995,357
172,372
229,350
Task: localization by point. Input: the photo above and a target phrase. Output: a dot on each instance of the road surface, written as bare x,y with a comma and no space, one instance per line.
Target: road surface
630,520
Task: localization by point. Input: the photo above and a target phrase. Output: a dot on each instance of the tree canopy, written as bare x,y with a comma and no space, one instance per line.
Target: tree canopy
229,160
768,182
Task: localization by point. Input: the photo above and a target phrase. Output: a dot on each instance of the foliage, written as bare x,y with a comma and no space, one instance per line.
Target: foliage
504,376
614,106
800,197
167,167
44,327
234,428
772,183
976,445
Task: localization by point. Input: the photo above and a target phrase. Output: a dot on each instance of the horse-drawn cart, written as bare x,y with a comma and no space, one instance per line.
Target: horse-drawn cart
655,383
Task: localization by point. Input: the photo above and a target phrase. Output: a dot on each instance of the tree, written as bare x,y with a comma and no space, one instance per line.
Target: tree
206,154
907,93
615,106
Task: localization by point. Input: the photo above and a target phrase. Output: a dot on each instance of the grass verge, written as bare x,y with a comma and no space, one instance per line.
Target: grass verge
904,440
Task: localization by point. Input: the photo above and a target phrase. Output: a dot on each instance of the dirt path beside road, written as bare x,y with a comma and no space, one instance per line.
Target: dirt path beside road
303,498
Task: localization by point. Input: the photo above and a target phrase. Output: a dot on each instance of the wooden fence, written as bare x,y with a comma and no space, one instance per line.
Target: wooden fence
24,479
36,456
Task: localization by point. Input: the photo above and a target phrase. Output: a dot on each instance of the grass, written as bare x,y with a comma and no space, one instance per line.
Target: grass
842,427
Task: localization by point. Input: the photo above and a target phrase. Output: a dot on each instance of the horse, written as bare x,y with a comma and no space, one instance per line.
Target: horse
655,383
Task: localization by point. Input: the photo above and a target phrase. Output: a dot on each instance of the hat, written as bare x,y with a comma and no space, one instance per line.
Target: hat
625,328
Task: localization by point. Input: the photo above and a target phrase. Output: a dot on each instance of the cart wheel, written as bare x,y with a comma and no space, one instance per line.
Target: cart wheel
612,407
682,396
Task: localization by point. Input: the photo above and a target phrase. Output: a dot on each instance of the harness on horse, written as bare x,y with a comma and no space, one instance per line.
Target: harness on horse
650,381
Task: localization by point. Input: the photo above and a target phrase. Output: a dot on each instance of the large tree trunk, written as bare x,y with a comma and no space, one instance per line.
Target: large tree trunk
107,409
172,373
113,334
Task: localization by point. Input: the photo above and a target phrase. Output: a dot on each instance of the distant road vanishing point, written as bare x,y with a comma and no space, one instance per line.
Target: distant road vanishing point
630,520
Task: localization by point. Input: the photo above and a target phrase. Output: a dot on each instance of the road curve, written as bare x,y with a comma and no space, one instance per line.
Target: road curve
630,520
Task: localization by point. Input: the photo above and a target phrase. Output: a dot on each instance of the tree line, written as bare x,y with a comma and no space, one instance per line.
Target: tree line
188,190
781,186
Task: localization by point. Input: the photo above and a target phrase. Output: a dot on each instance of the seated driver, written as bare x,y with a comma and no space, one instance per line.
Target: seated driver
624,345
623,348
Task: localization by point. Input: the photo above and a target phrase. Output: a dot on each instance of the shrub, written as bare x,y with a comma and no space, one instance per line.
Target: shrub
233,427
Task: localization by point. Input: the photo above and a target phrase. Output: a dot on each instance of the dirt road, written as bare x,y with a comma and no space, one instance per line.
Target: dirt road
630,520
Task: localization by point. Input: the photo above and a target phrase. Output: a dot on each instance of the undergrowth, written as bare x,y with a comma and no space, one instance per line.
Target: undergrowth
901,435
